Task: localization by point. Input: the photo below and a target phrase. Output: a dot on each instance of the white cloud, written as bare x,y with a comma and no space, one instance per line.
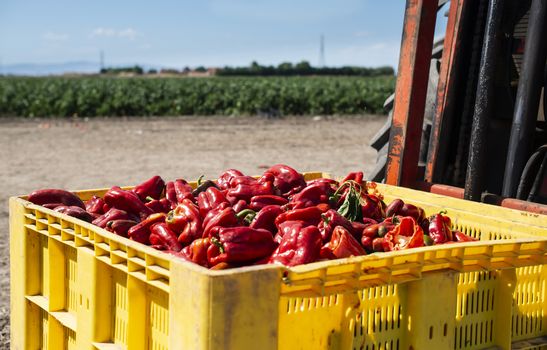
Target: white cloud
127,33
50,36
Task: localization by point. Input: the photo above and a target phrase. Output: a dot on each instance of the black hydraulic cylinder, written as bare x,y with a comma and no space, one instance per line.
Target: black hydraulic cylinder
484,101
528,96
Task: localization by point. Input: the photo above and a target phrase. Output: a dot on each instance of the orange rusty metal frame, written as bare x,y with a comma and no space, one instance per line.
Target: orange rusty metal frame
410,92
445,87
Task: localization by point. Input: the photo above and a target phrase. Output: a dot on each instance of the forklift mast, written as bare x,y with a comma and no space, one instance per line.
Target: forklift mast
488,137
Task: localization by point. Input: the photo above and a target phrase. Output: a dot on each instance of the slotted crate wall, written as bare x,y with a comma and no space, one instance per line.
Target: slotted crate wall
75,286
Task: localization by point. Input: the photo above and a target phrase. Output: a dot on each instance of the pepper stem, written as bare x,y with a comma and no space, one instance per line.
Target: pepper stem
200,179
247,215
218,243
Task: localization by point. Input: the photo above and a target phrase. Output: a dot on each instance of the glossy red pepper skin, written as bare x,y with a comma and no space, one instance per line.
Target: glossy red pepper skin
113,214
259,202
157,206
439,229
170,194
382,228
378,244
141,232
342,244
398,207
224,179
186,221
183,190
300,244
120,227
152,187
222,218
164,236
53,195
126,200
287,180
246,191
310,215
312,195
240,244
354,176
333,183
210,199
372,207
75,212
407,234
95,205
197,251
366,242
265,218
240,205
461,237
241,180
330,220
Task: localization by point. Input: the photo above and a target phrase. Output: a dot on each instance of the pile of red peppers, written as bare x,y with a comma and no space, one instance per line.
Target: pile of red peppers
240,220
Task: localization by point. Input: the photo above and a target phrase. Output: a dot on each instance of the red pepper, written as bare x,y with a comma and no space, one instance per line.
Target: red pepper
186,221
462,237
310,215
382,228
301,244
141,232
197,251
330,220
372,207
94,205
354,176
287,180
52,195
407,234
246,191
312,195
378,244
152,187
126,200
159,205
242,180
265,218
113,214
170,194
398,207
240,206
225,217
120,227
259,202
439,229
342,244
183,190
224,179
160,234
366,242
74,211
210,199
333,183
240,244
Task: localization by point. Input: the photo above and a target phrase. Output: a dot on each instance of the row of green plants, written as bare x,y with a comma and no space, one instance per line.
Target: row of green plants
109,96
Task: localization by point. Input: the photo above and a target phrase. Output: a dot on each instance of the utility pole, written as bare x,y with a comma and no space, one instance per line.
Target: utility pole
322,51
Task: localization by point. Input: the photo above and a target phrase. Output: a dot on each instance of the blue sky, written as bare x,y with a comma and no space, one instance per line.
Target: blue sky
182,33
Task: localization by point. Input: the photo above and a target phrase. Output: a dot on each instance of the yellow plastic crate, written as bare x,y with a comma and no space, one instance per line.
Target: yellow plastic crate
76,286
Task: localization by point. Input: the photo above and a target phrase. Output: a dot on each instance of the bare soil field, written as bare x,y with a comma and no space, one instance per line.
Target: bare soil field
97,153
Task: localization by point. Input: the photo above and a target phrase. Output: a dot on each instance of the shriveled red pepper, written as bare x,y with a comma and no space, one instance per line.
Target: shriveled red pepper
240,244
265,218
183,190
224,179
95,205
53,195
247,191
407,234
259,202
310,215
120,227
210,199
462,237
141,232
287,180
222,218
330,220
398,207
300,244
312,195
439,228
126,200
197,251
186,221
113,214
160,234
152,187
74,211
342,244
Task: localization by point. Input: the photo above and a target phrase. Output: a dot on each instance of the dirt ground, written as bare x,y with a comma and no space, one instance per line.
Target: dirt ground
97,153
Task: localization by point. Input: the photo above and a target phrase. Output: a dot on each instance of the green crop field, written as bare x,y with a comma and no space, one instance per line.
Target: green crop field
137,96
